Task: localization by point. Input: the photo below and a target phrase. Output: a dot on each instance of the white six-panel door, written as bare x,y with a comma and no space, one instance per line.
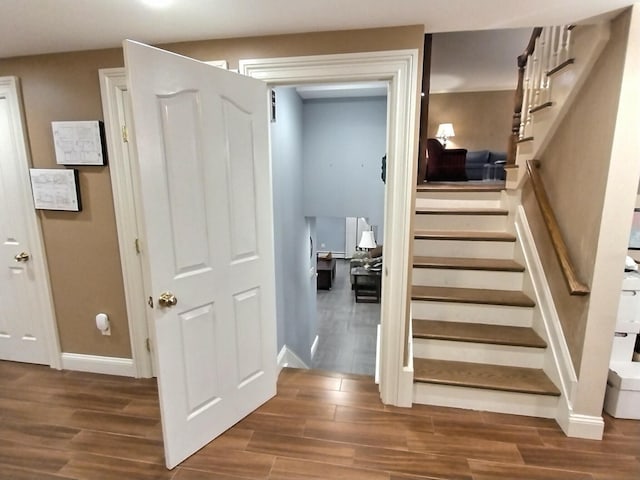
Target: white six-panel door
27,331
205,183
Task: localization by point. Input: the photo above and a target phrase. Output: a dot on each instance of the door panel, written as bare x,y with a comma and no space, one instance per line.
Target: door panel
24,292
205,183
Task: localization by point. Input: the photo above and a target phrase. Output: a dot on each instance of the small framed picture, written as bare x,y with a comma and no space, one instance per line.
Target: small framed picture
634,239
55,189
79,143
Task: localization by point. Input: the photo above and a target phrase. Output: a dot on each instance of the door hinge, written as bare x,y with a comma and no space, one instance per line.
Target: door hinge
125,134
150,302
137,244
147,343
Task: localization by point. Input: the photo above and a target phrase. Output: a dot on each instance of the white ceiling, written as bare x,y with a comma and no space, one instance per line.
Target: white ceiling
43,26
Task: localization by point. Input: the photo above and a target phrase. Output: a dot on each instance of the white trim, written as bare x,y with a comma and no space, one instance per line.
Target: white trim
560,367
218,63
405,382
97,364
340,255
43,299
314,346
288,358
113,87
579,426
400,69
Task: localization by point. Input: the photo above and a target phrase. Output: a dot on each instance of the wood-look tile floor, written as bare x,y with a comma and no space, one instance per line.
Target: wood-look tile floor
321,425
346,330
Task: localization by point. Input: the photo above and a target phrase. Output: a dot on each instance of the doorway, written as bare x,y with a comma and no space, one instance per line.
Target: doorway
399,69
327,144
27,321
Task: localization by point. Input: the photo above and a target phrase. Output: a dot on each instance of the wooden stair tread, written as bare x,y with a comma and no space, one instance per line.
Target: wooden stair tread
456,263
471,295
479,375
461,211
477,333
497,186
460,235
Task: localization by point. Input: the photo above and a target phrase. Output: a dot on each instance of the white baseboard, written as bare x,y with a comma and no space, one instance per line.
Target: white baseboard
314,346
287,358
564,372
580,426
333,254
97,364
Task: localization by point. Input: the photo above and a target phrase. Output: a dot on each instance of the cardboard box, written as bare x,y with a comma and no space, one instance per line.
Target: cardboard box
622,398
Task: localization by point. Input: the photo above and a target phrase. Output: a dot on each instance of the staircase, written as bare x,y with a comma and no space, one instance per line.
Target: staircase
473,342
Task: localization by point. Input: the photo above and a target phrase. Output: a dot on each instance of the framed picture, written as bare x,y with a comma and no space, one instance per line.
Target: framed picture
79,143
55,189
634,239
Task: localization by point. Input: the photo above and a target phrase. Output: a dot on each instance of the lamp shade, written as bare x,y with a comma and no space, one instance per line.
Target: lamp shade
445,130
367,240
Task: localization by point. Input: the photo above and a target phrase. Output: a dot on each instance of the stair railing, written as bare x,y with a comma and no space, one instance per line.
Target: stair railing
575,286
548,51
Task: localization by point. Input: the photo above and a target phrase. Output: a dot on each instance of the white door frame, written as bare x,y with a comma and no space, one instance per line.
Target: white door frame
113,86
10,89
400,69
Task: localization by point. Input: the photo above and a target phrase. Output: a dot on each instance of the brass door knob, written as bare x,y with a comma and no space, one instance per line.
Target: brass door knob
167,299
22,257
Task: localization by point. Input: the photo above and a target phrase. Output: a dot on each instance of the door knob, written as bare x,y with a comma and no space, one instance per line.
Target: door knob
22,257
167,299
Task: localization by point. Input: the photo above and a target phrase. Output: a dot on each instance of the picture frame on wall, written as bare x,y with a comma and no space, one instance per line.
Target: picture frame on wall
55,189
634,238
79,143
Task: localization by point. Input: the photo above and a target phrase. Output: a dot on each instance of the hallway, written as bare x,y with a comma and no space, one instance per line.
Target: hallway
347,330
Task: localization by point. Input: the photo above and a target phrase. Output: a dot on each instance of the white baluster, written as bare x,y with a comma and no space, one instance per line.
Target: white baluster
553,49
568,44
528,104
536,74
546,60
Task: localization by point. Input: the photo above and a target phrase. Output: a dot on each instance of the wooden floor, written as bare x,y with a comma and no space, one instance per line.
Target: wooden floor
70,425
347,331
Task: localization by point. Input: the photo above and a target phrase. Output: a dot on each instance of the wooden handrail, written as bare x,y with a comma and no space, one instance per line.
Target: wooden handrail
576,287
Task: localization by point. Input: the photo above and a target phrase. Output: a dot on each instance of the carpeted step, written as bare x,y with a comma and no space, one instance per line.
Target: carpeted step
477,375
477,333
471,295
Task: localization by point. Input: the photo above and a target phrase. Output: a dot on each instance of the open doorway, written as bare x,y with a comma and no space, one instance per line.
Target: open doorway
328,142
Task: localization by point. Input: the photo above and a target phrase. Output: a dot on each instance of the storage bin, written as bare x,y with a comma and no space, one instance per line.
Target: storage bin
622,398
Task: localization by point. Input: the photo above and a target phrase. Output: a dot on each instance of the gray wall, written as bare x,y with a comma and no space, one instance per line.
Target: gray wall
330,232
295,292
344,141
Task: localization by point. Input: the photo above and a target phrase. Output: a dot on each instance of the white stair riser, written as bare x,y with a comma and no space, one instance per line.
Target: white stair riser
472,313
442,277
463,248
458,203
483,223
543,406
478,353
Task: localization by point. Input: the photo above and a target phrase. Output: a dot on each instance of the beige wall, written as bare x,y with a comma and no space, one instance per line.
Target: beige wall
481,120
575,167
82,248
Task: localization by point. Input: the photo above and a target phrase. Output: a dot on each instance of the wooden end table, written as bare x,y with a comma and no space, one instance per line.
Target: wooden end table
366,284
326,270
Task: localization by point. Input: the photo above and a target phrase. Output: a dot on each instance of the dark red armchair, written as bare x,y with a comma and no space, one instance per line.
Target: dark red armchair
445,165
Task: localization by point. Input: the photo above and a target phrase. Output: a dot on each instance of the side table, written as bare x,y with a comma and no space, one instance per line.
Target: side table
366,284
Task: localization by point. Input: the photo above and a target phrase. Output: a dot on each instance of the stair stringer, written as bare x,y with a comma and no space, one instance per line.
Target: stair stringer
546,322
588,43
